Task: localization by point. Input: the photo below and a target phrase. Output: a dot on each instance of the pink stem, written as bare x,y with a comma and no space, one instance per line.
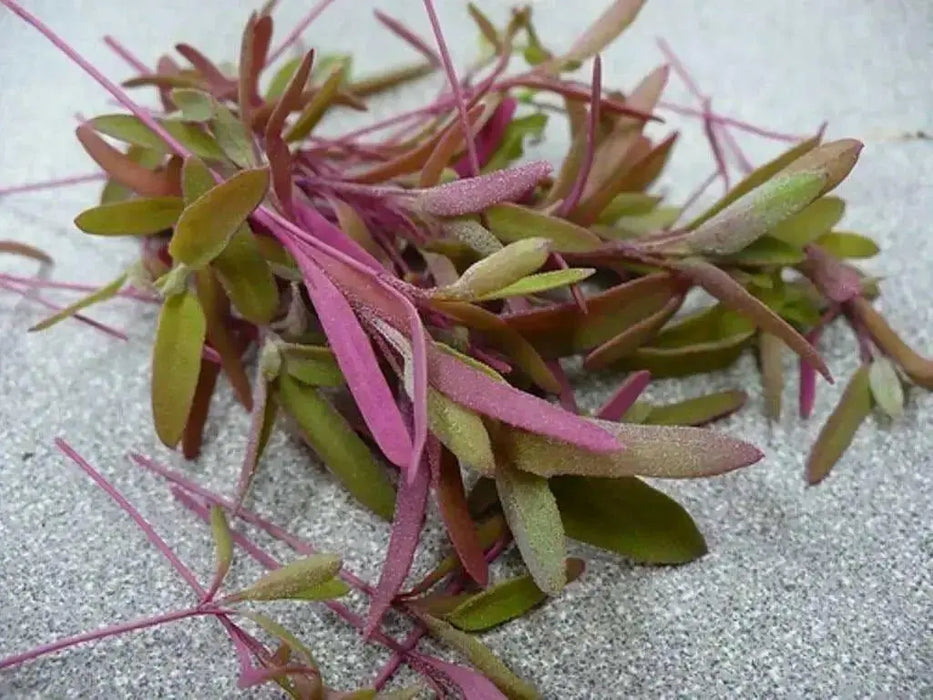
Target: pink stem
455,87
51,184
298,30
592,126
125,54
31,295
729,121
70,286
408,36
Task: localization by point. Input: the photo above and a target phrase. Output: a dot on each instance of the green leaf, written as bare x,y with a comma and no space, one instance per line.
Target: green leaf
294,579
281,78
461,431
839,429
685,360
195,105
207,224
757,177
532,514
767,250
499,270
697,411
319,104
628,517
810,223
233,139
915,366
128,128
196,179
848,245
513,222
108,291
772,373
629,204
481,657
636,225
312,364
133,217
339,447
282,634
335,588
541,282
247,277
512,146
632,338
223,542
886,387
504,601
176,364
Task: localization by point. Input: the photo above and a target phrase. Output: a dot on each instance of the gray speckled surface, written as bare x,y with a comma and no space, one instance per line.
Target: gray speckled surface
805,593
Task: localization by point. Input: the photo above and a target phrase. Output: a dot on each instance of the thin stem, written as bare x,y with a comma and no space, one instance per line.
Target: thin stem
299,29
72,287
455,88
729,121
591,130
130,510
105,632
125,54
52,184
408,36
30,294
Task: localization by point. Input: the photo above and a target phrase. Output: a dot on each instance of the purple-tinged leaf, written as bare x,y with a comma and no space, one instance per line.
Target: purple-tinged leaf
409,37
839,429
403,541
602,32
632,338
628,517
836,281
919,369
534,520
476,390
451,142
491,136
473,685
626,395
474,194
25,250
772,373
358,363
122,168
452,504
735,297
665,452
317,107
262,420
311,219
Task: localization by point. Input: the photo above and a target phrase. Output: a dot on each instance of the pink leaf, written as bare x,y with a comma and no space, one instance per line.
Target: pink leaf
490,136
473,685
625,396
480,392
309,218
406,528
474,194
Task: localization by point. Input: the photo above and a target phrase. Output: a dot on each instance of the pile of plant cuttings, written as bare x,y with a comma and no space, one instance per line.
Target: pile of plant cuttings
404,295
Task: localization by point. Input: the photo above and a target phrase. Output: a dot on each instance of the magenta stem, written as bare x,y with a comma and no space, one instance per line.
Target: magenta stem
70,286
592,126
455,88
728,121
31,295
125,54
298,30
408,36
52,184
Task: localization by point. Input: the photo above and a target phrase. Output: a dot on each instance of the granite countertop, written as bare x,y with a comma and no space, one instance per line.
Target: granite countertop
806,592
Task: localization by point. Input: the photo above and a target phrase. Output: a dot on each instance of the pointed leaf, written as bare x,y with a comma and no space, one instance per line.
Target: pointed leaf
339,447
293,579
886,387
128,128
612,22
108,291
461,431
541,282
262,420
699,410
919,369
475,194
223,544
499,270
632,338
512,222
134,217
25,250
628,517
176,363
505,601
482,658
207,224
847,245
625,397
473,685
317,107
839,429
272,627
532,514
772,373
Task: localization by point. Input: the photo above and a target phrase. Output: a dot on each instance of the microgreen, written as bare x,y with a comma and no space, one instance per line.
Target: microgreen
412,296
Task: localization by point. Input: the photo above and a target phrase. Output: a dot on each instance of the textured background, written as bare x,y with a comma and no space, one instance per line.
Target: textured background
806,592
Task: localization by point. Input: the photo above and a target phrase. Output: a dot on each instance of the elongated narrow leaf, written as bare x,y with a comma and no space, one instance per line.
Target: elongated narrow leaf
193,436
125,170
840,427
473,685
476,390
294,579
196,179
541,282
482,658
312,364
843,244
223,544
108,291
689,359
699,410
505,601
511,222
612,22
295,645
403,540
733,295
289,95
128,128
532,514
262,420
208,223
343,452
475,194
247,277
757,177
234,140
499,270
918,368
176,362
886,387
134,217
628,517
772,373
625,396
25,250
461,431
452,503
667,452
317,107
633,337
